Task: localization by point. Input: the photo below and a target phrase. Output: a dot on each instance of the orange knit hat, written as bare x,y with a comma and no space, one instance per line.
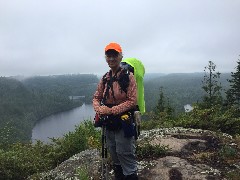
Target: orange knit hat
114,46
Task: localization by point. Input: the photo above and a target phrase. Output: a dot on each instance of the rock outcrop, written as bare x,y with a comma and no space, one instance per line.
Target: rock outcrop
191,156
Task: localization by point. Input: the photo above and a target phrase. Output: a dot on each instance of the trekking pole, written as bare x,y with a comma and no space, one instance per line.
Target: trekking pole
104,154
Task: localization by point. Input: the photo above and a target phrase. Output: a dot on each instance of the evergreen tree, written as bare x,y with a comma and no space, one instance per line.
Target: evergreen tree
233,94
211,86
163,106
161,101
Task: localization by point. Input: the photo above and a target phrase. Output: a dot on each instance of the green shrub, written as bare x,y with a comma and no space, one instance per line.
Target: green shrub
149,124
214,119
83,173
77,141
233,175
159,120
227,152
147,150
22,160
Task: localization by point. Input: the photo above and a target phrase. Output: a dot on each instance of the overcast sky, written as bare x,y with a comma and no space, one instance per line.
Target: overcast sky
46,37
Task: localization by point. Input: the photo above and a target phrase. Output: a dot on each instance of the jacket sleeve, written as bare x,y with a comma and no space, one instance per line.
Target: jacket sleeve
98,96
131,100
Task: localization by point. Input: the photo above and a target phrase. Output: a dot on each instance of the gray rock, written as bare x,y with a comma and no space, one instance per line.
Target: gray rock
184,144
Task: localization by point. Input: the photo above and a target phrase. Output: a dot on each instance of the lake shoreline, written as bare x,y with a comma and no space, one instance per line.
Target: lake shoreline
56,125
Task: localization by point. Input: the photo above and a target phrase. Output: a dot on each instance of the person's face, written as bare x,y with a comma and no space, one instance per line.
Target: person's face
113,59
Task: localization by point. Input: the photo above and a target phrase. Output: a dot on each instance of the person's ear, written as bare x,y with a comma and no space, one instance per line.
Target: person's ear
121,55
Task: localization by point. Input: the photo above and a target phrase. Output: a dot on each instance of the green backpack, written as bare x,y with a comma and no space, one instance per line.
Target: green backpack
137,68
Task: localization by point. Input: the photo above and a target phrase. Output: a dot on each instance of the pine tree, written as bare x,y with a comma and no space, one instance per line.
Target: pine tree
161,101
233,94
211,86
163,105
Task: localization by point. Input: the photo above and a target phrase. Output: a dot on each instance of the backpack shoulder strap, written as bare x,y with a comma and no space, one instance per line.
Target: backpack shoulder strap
109,81
123,80
105,80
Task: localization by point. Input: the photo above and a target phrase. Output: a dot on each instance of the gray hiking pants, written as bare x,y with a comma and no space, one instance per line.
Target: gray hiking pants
122,151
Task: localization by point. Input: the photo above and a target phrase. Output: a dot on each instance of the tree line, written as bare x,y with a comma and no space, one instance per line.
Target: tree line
23,103
179,89
218,107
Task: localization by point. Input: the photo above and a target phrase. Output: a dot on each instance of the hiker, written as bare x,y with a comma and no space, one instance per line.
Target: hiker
115,97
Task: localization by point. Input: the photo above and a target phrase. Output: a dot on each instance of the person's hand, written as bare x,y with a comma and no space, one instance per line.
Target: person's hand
104,110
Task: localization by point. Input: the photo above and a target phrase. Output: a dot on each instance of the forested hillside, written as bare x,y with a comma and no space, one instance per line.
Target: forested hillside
67,85
24,103
180,89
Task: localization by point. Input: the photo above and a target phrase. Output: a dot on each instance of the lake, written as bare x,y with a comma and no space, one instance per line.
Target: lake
61,123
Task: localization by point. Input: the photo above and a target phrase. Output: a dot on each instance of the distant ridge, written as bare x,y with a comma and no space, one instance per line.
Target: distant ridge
153,75
150,76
